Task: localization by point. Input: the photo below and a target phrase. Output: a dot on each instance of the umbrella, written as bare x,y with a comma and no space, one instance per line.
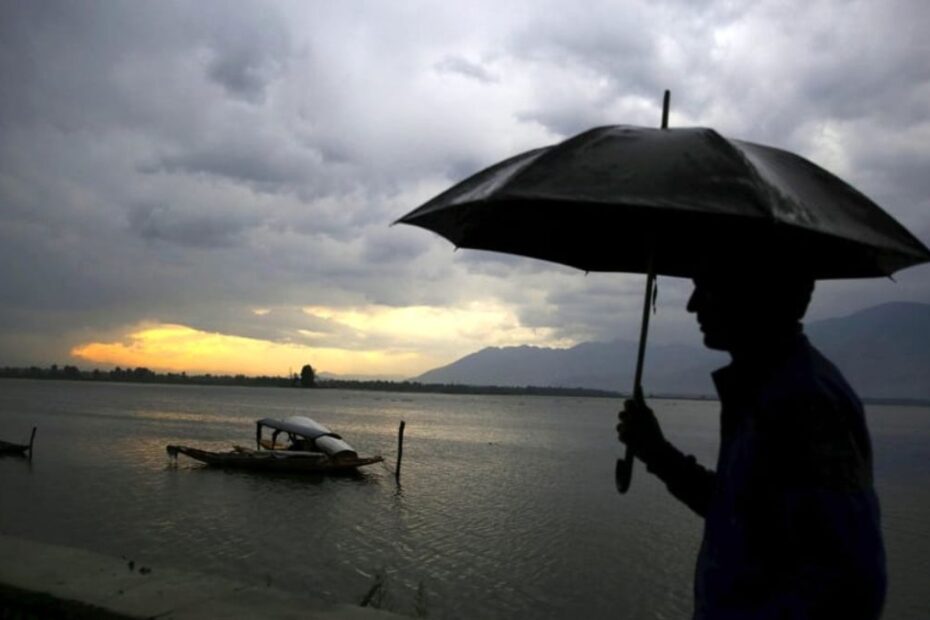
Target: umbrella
654,200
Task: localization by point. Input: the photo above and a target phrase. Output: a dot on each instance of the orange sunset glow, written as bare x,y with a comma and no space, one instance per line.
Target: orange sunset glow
376,340
180,348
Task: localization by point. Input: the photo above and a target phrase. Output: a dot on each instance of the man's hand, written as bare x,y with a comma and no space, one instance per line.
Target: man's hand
639,429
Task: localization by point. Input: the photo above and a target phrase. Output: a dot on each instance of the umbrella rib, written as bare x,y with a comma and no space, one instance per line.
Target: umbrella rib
759,181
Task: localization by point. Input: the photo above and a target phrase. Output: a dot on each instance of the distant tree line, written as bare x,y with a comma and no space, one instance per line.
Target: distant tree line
143,375
458,388
306,379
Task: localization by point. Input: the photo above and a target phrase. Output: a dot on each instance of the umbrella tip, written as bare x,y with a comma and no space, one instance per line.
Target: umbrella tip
666,99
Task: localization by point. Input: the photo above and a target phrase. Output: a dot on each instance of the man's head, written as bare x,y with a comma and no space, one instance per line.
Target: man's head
749,305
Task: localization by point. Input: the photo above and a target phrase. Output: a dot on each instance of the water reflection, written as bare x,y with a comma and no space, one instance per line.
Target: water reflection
21,462
505,508
182,416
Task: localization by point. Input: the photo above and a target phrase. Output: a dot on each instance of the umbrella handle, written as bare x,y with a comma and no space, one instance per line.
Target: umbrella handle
623,474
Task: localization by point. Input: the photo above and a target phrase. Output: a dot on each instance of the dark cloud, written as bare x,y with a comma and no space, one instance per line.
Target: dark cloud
389,245
188,227
241,165
282,324
463,66
246,71
500,265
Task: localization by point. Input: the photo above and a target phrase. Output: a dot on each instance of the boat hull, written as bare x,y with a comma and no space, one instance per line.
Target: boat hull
18,449
275,461
7,448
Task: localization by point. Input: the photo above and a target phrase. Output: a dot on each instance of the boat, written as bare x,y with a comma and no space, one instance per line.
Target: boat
18,449
307,447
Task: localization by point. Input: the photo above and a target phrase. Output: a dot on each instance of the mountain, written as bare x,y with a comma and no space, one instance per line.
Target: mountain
883,351
597,365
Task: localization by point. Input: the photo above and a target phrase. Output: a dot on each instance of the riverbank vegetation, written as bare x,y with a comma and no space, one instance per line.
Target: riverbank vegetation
307,379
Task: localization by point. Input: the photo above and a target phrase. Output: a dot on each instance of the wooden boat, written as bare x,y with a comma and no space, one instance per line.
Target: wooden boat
310,447
18,449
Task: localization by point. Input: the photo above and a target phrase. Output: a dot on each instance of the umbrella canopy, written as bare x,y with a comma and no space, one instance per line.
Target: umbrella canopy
669,201
611,198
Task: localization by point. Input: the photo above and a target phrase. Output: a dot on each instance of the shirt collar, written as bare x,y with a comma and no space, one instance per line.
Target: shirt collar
742,379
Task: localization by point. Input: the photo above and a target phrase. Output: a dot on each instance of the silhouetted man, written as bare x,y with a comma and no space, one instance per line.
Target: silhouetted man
791,518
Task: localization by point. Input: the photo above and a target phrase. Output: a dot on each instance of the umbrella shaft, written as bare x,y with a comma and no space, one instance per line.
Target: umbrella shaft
624,471
623,474
644,330
665,105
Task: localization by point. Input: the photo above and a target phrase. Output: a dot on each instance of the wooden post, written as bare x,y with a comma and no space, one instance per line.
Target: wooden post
32,438
400,449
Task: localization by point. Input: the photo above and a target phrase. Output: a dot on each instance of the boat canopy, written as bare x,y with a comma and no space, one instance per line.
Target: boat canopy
299,425
324,439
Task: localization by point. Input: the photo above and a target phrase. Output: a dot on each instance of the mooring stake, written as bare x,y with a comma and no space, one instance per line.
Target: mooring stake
32,439
400,448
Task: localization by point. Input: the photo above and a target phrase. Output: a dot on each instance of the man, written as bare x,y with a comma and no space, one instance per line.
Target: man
791,518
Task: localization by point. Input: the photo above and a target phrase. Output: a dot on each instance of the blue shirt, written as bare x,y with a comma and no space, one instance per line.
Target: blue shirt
792,527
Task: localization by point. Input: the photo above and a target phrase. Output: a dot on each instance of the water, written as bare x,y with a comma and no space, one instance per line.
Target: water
506,509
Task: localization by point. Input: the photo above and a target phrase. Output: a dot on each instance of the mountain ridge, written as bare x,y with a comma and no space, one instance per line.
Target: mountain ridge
883,350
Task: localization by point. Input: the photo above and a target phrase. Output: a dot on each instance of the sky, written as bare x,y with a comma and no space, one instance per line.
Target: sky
209,186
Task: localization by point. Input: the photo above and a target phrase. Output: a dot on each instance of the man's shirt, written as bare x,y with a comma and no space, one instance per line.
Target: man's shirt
792,526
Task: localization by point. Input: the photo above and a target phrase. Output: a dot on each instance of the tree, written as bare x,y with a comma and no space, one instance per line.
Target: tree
307,376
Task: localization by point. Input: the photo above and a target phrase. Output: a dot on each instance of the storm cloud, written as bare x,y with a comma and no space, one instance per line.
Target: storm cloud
195,162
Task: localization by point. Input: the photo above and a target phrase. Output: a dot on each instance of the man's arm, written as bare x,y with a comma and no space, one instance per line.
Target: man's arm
688,481
685,478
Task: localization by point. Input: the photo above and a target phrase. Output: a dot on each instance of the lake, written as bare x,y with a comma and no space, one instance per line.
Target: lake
506,507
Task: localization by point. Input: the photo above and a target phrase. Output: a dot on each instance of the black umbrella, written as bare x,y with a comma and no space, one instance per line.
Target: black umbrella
653,201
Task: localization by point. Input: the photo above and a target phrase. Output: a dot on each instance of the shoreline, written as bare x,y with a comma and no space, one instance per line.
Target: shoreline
39,580
408,387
